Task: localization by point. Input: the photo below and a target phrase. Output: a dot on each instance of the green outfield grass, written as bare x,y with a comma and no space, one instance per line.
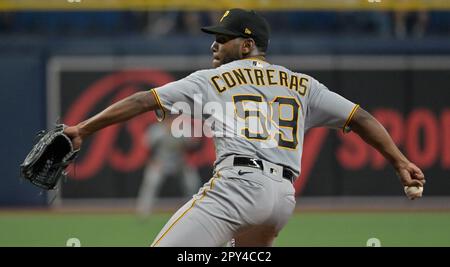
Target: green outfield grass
303,229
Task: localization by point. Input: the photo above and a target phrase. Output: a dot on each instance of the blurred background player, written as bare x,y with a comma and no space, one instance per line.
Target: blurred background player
167,160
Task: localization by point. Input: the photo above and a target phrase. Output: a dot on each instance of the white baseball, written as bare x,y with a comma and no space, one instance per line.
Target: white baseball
413,191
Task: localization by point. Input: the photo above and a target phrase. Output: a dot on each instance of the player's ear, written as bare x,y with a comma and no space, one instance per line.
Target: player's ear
247,46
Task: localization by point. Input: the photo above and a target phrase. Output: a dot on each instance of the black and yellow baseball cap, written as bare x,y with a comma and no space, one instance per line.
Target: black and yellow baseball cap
242,23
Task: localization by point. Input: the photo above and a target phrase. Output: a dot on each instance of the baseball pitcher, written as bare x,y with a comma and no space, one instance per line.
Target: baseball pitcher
258,113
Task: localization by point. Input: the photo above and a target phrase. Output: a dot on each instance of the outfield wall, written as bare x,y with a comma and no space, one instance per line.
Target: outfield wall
409,93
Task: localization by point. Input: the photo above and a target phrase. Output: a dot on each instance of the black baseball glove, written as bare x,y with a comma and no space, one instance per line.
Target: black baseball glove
47,161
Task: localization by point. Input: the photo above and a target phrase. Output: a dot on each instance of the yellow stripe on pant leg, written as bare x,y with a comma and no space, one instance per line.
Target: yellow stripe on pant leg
184,213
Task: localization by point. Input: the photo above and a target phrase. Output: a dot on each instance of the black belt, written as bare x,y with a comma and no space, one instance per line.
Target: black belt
257,163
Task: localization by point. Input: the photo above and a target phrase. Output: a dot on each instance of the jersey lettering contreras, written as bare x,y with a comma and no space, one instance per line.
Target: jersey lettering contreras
259,77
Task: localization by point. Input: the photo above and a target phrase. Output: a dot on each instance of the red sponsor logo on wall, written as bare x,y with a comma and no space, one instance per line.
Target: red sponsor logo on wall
103,149
423,136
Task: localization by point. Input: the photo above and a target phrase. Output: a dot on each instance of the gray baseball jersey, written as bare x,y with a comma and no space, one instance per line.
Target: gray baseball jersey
256,110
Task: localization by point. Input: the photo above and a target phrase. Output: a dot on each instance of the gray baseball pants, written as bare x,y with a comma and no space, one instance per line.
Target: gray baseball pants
235,199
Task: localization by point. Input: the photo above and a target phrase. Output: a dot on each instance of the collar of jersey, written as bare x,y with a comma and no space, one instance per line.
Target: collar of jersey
254,58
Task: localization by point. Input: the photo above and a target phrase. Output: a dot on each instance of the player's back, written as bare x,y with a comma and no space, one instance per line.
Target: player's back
264,111
257,109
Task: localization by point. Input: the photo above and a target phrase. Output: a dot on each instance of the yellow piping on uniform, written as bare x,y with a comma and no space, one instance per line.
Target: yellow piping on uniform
186,211
350,117
159,104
